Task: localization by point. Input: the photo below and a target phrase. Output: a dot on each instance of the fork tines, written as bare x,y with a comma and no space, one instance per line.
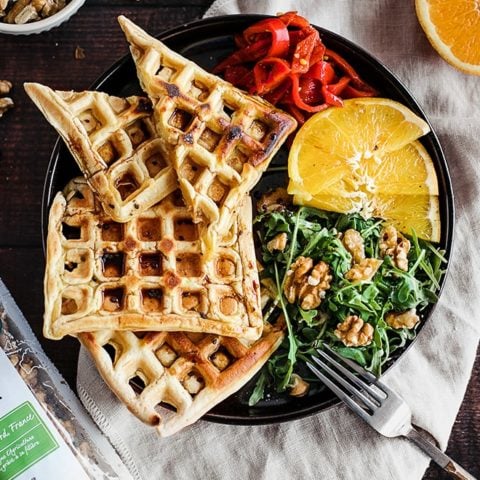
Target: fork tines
361,390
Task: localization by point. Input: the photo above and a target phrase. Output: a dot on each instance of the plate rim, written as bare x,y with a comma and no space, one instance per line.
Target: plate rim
448,229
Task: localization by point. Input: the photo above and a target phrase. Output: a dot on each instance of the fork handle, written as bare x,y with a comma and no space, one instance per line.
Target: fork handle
444,461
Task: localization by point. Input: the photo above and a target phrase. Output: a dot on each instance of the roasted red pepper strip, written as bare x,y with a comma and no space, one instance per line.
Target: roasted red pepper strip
236,74
280,39
298,114
284,60
330,98
337,88
322,71
297,100
350,71
295,37
318,52
239,40
269,73
352,92
342,64
276,96
303,51
250,53
291,19
310,90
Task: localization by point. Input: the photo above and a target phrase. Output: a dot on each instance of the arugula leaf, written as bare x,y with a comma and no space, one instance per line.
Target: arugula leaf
308,316
355,354
259,390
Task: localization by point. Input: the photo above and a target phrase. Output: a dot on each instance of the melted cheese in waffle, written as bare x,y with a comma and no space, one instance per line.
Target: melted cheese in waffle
191,372
222,138
115,144
146,274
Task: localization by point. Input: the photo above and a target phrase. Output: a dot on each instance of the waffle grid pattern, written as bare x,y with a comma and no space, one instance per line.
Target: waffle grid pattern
222,138
115,144
190,372
146,274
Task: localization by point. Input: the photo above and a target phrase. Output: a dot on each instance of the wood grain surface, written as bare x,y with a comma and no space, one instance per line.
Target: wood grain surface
26,142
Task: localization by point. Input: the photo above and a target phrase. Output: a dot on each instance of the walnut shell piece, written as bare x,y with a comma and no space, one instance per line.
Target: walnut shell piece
307,283
354,332
407,319
395,245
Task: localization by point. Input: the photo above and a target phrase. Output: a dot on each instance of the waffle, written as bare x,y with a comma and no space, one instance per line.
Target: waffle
222,138
191,372
146,274
114,142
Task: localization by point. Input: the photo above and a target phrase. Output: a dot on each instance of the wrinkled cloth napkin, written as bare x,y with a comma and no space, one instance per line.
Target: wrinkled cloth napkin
432,376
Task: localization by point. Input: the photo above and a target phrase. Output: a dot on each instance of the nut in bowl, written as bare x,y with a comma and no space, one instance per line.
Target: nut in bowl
24,17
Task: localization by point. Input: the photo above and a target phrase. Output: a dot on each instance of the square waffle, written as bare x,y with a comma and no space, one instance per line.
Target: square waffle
222,138
146,274
191,372
115,144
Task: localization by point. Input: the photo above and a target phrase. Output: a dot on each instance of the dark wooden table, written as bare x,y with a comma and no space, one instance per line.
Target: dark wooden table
26,143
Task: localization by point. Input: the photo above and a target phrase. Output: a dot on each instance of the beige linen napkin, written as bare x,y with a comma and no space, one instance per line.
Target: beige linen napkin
431,376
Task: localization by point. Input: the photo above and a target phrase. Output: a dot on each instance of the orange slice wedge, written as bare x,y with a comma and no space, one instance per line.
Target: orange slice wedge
364,157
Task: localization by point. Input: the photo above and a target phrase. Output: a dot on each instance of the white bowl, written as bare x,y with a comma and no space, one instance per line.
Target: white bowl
44,24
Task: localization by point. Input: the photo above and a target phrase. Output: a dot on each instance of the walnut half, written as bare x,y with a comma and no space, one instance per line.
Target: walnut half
354,332
363,271
399,320
5,87
6,103
353,243
395,245
306,283
3,7
278,242
299,386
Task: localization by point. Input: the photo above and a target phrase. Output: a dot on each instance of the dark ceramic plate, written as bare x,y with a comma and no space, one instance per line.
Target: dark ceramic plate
206,42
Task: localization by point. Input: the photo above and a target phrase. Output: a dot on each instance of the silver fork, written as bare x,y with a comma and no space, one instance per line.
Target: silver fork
377,404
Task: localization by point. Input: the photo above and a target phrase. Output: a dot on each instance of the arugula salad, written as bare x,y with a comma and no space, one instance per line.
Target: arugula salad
356,284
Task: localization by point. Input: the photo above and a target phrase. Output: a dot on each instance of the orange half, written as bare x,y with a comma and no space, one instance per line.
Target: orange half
453,29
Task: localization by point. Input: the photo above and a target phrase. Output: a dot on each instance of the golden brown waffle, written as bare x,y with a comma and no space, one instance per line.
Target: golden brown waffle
146,274
222,138
191,372
115,144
